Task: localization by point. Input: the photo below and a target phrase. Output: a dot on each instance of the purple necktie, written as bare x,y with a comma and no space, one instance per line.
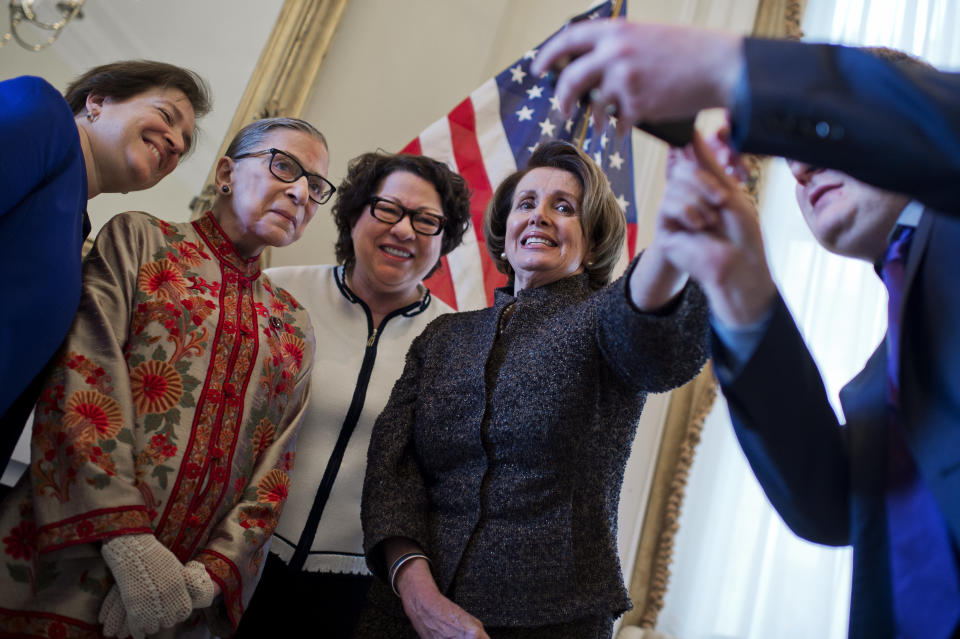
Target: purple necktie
926,590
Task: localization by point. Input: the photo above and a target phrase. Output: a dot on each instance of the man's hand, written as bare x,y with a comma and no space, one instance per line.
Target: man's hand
708,227
649,72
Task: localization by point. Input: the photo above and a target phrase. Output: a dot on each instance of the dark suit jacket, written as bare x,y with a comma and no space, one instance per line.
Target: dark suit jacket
827,481
892,125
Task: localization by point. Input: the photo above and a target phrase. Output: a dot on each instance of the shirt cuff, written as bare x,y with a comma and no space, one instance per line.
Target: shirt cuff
735,345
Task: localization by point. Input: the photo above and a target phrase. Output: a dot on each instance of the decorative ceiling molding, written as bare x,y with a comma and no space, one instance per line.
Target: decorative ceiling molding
284,75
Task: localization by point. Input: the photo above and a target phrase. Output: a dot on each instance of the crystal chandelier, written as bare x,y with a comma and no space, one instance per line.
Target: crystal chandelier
26,19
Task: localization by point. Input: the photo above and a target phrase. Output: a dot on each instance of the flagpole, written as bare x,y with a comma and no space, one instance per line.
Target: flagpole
585,122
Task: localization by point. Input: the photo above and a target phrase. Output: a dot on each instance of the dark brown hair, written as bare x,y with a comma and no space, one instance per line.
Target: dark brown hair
601,218
365,175
124,80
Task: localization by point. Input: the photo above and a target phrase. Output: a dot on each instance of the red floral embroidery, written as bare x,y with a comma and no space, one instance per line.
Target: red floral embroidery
21,543
156,386
273,487
92,415
162,279
262,436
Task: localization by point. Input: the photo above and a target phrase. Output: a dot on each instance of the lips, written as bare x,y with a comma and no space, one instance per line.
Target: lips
537,239
156,151
396,251
290,217
820,190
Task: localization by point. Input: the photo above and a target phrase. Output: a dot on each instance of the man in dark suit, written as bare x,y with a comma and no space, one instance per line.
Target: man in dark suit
834,484
892,125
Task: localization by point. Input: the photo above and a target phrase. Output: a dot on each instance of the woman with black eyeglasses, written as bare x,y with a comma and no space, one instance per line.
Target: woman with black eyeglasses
396,216
163,442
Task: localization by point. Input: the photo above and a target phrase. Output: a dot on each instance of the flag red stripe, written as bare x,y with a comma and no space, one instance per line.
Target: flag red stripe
413,148
466,151
441,284
631,239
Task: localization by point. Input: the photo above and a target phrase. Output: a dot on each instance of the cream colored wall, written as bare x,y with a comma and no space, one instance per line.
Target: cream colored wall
395,67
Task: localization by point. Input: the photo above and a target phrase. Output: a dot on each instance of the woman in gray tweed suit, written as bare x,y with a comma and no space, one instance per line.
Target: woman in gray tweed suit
494,472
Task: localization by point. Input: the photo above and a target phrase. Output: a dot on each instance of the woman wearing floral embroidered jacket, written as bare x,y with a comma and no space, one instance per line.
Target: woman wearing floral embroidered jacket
163,442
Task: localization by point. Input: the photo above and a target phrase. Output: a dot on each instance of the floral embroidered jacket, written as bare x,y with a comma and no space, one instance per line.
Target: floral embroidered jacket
173,411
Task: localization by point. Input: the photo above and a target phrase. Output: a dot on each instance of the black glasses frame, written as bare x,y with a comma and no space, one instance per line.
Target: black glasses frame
411,213
273,154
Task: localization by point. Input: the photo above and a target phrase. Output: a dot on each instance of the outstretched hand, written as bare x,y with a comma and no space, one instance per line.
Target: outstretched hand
708,227
649,72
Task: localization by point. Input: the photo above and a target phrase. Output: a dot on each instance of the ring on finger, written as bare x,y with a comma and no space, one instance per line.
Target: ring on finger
609,106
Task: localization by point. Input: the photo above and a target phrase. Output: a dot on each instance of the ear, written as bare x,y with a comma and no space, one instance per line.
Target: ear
94,103
589,257
224,172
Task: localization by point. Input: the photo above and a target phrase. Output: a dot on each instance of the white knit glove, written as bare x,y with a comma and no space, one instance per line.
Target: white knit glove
151,583
113,615
199,584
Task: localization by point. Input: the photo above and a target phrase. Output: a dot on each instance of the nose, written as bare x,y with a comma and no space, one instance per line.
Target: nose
538,215
299,190
403,228
802,171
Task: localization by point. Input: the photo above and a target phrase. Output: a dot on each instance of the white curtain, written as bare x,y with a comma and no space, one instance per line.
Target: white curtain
738,571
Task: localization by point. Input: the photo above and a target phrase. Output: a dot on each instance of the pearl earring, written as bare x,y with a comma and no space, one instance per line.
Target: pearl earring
503,255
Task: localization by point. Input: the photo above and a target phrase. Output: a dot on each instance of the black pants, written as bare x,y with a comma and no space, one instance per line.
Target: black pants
291,601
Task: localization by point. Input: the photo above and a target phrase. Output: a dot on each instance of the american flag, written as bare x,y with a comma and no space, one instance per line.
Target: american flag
488,136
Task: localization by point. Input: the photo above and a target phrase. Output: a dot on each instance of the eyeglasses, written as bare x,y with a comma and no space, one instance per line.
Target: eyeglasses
285,168
390,212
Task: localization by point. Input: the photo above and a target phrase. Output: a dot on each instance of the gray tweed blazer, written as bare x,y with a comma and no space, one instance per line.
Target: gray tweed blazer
502,448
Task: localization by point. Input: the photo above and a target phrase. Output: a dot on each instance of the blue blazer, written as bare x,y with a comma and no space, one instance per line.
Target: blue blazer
43,222
827,480
889,124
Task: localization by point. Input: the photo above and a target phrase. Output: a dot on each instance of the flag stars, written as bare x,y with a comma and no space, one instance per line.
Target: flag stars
517,74
554,103
547,128
616,160
613,121
598,159
622,201
525,113
535,91
530,55
568,125
533,148
603,140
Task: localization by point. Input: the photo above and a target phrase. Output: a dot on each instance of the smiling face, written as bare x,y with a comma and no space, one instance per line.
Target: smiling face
846,216
261,210
392,259
544,239
136,142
